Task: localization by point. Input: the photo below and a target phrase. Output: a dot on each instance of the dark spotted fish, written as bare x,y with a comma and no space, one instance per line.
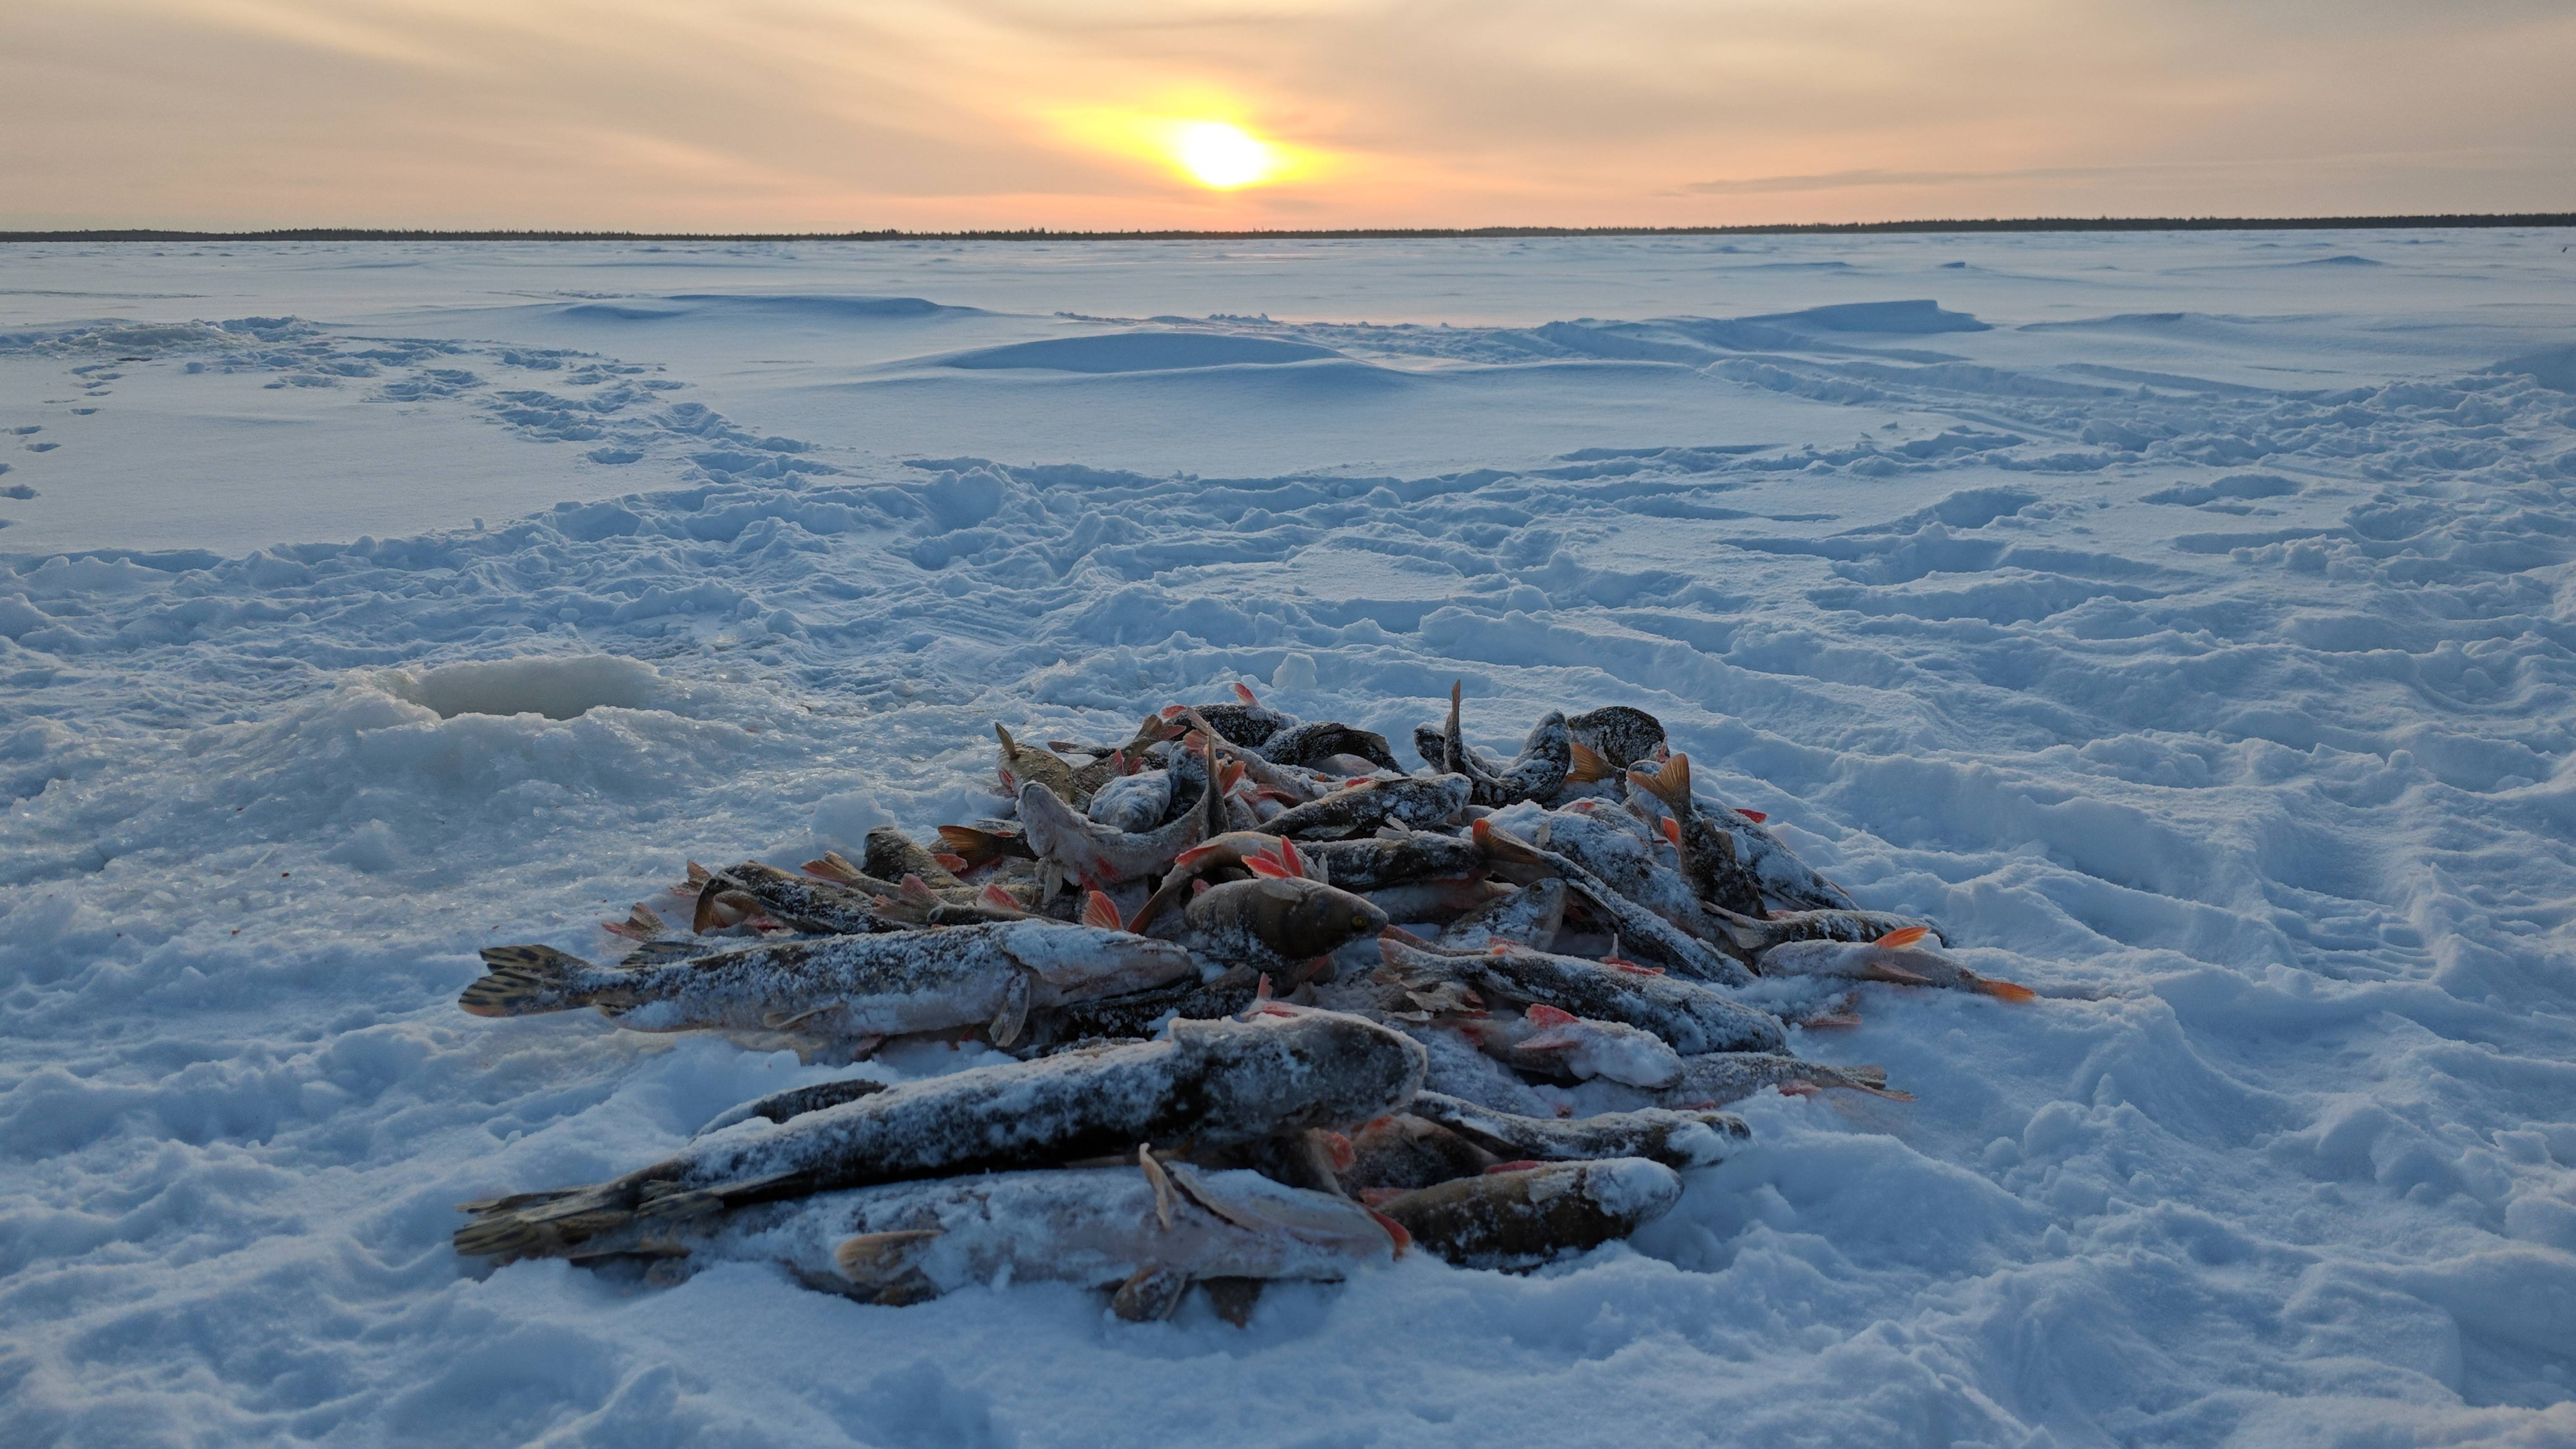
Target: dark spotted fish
1420,802
800,902
1610,739
1244,720
1514,1219
844,987
1756,936
1545,1041
1310,744
1691,1016
1028,765
891,855
1404,1152
1710,863
1214,1082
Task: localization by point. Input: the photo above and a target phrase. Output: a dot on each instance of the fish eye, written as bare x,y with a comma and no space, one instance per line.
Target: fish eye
1360,922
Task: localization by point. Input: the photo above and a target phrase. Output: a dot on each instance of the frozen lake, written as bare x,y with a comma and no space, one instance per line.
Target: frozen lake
2182,620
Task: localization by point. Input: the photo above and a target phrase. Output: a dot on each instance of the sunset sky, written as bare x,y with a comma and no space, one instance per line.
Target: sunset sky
833,115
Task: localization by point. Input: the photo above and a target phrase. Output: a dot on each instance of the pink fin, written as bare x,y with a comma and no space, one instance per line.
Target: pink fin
1902,937
1673,831
2006,990
953,864
1371,1197
1554,1039
1881,971
1523,1165
1394,1230
1756,816
1100,911
1000,899
1244,692
1343,1153
1549,1015
1262,865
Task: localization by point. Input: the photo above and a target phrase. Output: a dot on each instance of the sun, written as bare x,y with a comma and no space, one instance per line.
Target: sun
1221,155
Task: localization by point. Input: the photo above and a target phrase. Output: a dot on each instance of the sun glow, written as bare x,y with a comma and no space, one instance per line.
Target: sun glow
1221,155
1193,139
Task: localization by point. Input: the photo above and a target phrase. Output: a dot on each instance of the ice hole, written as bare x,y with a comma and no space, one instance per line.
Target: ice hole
558,687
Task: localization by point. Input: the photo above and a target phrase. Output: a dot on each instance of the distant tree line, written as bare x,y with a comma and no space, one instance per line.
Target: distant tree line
1388,233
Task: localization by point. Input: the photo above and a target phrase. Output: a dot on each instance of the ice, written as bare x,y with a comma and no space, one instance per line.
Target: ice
2181,621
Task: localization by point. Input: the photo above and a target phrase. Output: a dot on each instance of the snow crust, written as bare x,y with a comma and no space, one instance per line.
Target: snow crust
2184,623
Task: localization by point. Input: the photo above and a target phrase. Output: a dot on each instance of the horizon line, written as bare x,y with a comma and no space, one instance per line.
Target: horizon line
2428,221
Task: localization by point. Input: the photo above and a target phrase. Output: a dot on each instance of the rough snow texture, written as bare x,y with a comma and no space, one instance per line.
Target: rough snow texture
2183,624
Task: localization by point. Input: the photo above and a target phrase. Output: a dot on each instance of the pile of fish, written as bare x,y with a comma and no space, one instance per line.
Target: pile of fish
1262,1005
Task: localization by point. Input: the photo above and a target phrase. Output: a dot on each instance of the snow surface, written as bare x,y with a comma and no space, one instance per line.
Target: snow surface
2183,621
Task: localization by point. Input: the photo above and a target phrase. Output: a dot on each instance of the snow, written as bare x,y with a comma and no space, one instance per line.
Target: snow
2192,642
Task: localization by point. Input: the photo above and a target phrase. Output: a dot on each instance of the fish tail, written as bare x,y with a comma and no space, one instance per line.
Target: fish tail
530,981
1587,766
1745,933
1867,1076
1670,783
546,1224
2005,990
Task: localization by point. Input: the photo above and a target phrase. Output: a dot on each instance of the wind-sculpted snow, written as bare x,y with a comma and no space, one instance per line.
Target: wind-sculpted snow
2191,643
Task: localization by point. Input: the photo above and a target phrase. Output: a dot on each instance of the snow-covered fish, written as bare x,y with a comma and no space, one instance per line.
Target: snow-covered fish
1101,856
1756,936
844,987
794,1102
801,902
1213,1082
1522,1217
1650,935
1547,1041
1723,1077
1134,803
1529,916
986,842
1691,1016
1419,801
1899,956
1537,773
1673,1138
1147,1234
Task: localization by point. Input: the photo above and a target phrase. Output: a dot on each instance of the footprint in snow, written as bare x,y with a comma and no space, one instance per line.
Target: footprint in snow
42,447
19,491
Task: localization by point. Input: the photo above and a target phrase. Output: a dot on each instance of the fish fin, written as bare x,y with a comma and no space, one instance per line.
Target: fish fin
699,874
876,1258
831,867
2006,990
1371,1197
1150,1295
1587,766
1162,1184
1009,745
917,891
1260,999
1522,1165
1268,868
1394,1230
1014,1015
1549,1015
1244,692
1756,816
1198,887
953,864
1867,1076
1230,776
1672,832
525,981
1902,937
1100,911
1894,975
1339,1151
641,924
1554,1039
1495,841
1173,711
999,899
